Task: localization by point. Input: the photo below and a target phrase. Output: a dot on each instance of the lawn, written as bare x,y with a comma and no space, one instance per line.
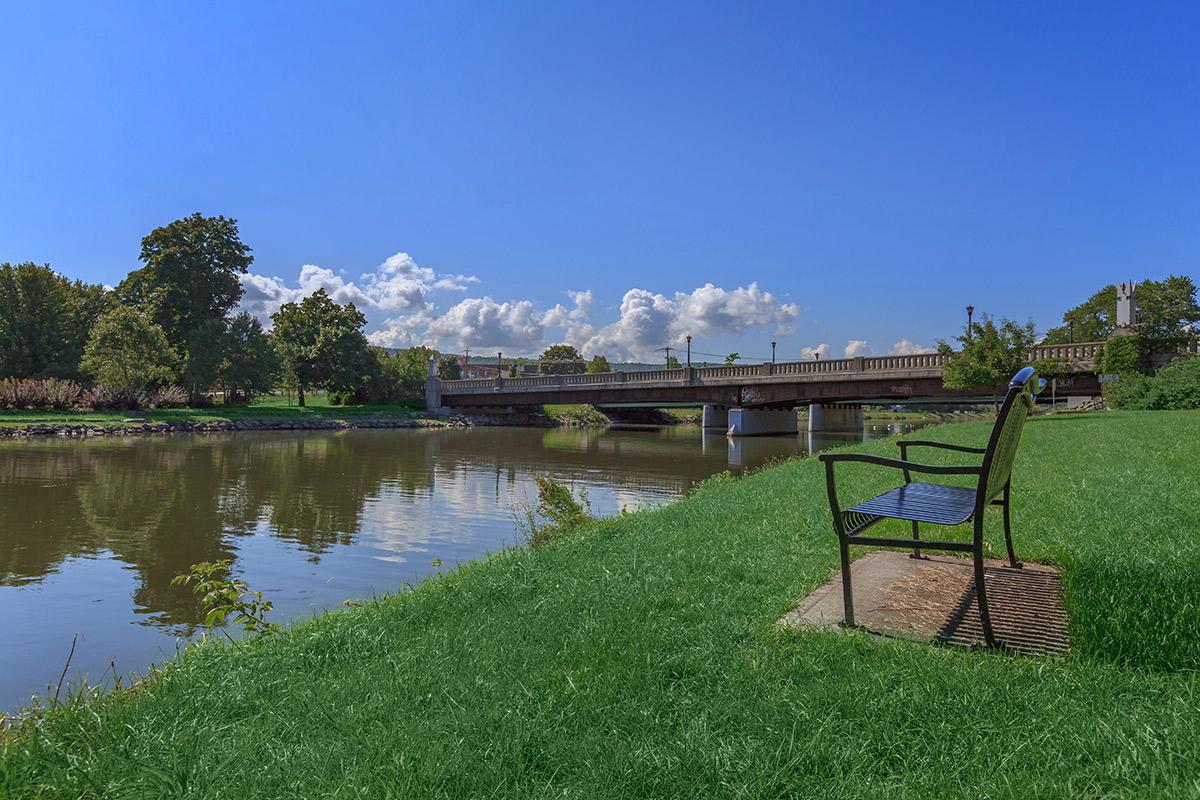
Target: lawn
276,407
639,657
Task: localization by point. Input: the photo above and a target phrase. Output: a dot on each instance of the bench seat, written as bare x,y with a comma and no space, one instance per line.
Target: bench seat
922,502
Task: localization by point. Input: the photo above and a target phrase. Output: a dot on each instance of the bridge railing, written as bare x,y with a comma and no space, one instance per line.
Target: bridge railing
1074,353
1081,354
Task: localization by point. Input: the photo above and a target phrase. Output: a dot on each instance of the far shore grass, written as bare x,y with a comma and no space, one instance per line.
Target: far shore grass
273,407
639,656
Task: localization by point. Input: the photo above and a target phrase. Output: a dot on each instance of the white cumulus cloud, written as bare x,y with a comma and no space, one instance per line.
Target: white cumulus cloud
857,347
904,347
396,285
648,321
482,322
810,353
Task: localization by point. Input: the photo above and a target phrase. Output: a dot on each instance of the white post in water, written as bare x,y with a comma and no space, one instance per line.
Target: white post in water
433,387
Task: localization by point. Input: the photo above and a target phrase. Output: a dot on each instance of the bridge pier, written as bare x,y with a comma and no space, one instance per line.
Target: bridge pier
761,421
828,418
433,387
715,417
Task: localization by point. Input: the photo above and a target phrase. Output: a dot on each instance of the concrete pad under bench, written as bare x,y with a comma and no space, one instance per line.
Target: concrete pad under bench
932,599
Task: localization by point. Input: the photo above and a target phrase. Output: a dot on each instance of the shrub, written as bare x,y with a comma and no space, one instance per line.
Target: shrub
14,393
49,393
558,511
1124,355
1174,387
168,397
103,396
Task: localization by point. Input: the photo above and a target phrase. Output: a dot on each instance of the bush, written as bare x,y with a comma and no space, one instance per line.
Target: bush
102,396
1124,355
557,511
1174,387
49,393
168,397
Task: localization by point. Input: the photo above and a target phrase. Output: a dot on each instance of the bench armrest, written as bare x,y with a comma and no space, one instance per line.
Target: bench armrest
831,458
904,445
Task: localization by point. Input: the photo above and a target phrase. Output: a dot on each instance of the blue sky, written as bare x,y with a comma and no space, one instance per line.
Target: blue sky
507,175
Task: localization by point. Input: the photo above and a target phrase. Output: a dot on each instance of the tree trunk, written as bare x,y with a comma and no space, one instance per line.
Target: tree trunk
300,396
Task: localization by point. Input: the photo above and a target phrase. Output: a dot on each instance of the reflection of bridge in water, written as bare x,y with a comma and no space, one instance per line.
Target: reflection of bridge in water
750,399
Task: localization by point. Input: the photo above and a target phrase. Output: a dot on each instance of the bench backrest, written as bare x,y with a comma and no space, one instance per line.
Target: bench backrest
1002,445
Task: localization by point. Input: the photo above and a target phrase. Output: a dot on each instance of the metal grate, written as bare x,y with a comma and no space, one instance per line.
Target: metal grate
1026,609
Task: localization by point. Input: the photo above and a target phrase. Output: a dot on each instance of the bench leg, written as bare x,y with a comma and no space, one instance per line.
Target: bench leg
1012,556
847,591
985,619
916,528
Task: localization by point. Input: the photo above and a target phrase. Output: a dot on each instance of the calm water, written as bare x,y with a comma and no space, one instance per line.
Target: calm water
91,532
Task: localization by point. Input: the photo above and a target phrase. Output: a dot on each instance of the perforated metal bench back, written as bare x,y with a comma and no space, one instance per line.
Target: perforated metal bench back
1006,435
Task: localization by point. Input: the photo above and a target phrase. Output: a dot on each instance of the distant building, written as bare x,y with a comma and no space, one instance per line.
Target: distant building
483,369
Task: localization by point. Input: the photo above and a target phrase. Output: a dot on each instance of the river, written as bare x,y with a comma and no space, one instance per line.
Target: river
93,531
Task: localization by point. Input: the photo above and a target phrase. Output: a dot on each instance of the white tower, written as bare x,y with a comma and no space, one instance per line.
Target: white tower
1126,308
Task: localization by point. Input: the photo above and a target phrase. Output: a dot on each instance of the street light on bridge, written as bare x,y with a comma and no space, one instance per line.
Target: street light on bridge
772,352
689,349
970,313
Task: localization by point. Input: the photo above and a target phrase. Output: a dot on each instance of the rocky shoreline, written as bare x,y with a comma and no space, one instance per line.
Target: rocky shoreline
139,428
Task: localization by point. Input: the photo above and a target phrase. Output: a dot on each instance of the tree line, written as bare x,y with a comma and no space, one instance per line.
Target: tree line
168,334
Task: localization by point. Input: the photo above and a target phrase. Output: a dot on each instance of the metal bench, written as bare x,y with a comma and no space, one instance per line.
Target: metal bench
938,504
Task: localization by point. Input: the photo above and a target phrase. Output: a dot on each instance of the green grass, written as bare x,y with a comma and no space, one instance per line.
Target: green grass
639,658
575,412
278,407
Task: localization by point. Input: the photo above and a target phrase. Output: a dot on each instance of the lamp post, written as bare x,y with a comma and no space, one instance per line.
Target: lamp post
970,313
499,365
689,349
1071,332
772,352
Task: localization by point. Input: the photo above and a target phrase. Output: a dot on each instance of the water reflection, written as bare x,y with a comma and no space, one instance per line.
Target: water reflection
92,532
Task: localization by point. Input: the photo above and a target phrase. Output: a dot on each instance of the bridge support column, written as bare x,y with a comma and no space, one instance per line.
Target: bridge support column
715,417
433,388
835,418
761,422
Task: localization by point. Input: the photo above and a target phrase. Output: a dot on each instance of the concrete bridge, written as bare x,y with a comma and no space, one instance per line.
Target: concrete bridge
749,399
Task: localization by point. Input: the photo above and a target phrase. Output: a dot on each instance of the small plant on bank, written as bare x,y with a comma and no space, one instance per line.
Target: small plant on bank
558,511
223,598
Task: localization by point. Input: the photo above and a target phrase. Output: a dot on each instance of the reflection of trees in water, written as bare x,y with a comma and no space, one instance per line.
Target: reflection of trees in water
161,505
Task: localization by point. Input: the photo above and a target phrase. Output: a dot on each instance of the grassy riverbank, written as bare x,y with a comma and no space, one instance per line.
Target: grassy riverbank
640,658
317,408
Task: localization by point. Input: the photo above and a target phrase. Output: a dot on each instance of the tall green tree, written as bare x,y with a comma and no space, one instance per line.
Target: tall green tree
129,352
561,359
250,365
321,344
190,278
448,368
45,320
599,364
990,354
1166,310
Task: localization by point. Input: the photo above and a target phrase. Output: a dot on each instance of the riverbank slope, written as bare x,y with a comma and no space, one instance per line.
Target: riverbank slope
640,657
